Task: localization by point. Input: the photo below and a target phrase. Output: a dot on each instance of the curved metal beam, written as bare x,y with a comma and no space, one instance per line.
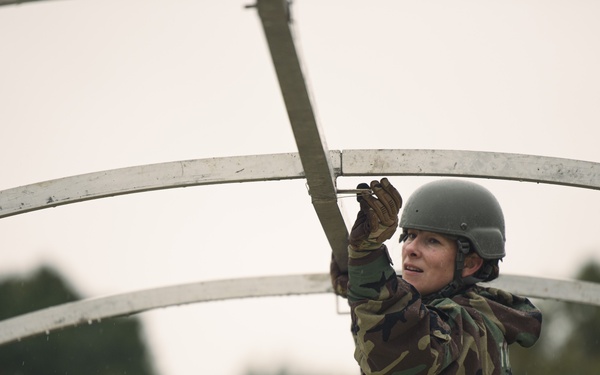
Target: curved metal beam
96,309
505,166
288,166
495,165
142,178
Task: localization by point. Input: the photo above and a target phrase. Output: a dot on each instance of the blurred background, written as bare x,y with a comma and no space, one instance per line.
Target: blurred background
90,85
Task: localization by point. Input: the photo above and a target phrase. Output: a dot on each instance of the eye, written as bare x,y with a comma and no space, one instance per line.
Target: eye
408,236
433,240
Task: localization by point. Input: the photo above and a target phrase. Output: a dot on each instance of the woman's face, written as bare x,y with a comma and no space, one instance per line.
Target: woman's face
428,260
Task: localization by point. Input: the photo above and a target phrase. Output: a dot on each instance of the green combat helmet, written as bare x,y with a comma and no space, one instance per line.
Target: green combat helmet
461,209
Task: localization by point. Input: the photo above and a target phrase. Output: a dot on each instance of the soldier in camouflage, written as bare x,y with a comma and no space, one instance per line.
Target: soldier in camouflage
435,318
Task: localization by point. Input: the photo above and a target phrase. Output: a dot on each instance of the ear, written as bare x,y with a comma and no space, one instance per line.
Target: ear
473,263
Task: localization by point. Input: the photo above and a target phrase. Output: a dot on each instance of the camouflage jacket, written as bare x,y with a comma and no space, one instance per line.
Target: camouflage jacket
395,332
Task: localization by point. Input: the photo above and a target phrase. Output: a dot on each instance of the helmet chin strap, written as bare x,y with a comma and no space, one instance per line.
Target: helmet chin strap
457,282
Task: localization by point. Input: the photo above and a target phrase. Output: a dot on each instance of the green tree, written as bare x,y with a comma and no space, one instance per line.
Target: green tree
570,340
113,346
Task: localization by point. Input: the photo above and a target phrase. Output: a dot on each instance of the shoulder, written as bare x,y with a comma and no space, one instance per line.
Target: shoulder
503,315
469,311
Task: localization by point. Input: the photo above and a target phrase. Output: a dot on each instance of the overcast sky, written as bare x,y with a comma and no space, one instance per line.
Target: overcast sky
90,85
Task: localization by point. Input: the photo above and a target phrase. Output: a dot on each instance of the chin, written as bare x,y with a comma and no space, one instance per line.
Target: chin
415,285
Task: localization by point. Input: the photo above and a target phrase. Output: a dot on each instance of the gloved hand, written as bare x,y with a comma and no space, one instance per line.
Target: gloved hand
377,219
339,279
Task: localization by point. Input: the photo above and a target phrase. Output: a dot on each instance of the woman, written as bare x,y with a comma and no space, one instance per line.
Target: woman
434,319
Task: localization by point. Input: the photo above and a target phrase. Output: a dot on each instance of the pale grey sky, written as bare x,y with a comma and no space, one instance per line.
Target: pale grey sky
89,85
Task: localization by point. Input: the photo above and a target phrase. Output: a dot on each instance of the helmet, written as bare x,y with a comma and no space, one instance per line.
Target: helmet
459,208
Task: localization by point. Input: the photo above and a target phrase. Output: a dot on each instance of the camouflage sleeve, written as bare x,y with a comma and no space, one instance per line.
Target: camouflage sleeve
393,331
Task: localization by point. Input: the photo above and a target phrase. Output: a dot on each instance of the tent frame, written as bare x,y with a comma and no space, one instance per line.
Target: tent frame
313,162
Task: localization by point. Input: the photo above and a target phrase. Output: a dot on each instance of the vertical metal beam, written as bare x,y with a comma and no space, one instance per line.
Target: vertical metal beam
15,2
275,18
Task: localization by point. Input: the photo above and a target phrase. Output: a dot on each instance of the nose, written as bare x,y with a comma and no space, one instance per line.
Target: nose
411,248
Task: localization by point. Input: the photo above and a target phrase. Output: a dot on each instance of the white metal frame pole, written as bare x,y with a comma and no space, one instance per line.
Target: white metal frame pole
16,2
276,18
96,309
273,167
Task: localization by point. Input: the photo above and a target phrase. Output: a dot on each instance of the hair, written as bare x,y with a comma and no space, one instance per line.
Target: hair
489,270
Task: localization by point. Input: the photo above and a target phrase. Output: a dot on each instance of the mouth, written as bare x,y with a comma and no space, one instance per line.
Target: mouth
410,268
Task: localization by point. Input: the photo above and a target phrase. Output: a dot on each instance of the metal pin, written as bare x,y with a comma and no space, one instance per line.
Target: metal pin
353,191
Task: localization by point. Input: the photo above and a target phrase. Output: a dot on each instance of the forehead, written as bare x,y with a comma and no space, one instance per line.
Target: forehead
428,233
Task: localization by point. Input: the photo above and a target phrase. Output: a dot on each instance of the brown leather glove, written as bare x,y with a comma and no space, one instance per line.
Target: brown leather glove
377,219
